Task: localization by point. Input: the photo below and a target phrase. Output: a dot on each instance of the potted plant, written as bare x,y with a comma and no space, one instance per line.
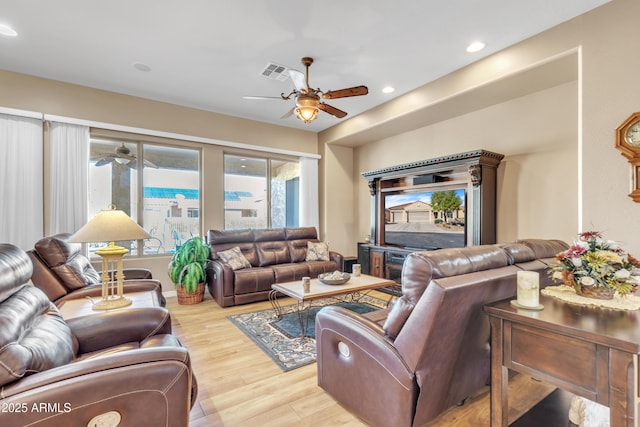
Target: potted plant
187,270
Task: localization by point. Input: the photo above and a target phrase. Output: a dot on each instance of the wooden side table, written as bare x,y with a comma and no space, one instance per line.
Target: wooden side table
82,306
589,351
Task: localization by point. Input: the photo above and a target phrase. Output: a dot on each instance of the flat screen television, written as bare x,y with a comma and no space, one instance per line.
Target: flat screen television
425,219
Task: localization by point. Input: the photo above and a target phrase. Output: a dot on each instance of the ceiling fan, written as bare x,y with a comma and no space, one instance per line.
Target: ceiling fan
122,155
307,99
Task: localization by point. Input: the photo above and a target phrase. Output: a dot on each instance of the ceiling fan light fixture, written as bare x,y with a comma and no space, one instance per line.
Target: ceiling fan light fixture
306,114
307,107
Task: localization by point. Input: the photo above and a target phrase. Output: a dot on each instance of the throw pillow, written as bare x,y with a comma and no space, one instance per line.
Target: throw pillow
317,251
234,258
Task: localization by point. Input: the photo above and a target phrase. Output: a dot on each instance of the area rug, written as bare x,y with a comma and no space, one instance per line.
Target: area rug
280,338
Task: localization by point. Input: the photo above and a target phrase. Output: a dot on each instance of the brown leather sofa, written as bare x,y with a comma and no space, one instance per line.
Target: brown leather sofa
120,364
431,350
63,273
276,256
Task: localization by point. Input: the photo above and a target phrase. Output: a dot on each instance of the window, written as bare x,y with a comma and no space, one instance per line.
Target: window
253,201
163,195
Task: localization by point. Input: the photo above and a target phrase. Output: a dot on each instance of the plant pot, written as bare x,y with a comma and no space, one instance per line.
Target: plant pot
187,299
595,292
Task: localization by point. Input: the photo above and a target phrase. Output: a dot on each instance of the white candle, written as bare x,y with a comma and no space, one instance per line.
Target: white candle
528,288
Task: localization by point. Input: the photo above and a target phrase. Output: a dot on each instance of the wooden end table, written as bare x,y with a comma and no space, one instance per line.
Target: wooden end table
82,306
589,351
348,291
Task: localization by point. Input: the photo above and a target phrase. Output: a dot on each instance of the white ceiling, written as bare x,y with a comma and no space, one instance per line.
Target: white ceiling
208,54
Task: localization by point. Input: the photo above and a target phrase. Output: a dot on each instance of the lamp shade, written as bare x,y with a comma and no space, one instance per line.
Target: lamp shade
109,225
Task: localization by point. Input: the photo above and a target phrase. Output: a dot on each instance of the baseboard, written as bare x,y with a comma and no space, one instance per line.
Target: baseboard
172,293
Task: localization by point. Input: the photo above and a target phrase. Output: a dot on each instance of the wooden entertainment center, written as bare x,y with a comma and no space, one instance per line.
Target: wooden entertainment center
473,174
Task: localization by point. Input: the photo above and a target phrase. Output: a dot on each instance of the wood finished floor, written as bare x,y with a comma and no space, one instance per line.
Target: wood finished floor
240,386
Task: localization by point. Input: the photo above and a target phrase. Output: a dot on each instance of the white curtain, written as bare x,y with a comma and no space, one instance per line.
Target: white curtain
21,188
69,186
309,207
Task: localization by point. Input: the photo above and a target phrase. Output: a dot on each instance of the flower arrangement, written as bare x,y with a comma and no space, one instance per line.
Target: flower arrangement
592,262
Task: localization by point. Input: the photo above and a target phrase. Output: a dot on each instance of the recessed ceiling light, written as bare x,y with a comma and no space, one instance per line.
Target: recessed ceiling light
6,30
141,67
388,89
475,47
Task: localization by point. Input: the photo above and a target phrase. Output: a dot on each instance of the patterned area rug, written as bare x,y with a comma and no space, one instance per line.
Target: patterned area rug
280,338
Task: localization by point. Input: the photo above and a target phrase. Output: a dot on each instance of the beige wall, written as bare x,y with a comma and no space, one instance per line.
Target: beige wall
610,94
337,205
61,99
561,173
538,136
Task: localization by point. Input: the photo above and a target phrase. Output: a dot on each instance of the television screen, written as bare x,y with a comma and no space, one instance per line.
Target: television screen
431,219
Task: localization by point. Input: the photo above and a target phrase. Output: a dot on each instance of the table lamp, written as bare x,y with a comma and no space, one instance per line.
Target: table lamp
110,225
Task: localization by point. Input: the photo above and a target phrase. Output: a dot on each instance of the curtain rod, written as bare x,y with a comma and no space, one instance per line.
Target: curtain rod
151,132
21,113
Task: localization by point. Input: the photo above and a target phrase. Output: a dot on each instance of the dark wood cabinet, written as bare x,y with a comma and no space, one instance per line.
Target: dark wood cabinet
376,266
382,261
363,257
474,173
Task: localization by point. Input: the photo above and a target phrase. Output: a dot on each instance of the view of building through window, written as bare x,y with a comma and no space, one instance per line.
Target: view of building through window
253,201
163,196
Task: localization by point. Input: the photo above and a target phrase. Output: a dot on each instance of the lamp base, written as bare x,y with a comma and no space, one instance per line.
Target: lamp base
111,303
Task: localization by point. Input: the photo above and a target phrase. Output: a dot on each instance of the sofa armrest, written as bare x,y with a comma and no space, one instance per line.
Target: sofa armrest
338,259
137,273
349,349
111,328
158,377
363,337
220,282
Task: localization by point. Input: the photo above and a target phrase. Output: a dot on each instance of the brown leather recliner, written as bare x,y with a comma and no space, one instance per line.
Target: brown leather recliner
63,273
122,364
433,349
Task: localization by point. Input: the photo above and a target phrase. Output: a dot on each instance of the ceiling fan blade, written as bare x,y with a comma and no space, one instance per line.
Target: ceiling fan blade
343,93
298,79
105,160
263,97
288,113
332,110
149,164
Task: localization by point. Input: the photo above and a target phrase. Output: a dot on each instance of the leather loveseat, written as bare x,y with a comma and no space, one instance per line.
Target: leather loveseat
274,255
63,273
91,370
431,350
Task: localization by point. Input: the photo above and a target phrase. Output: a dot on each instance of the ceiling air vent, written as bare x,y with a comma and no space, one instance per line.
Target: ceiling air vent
275,72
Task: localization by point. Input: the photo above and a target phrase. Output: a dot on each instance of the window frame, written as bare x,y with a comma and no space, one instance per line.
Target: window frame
141,141
269,169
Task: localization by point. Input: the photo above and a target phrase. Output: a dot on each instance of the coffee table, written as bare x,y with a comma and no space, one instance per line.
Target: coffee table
350,291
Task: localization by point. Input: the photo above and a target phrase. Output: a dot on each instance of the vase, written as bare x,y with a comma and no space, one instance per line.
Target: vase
596,292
